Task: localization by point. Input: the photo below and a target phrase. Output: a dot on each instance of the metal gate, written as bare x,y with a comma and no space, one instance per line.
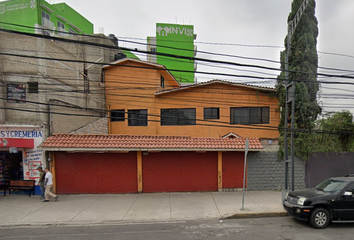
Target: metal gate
232,169
180,172
96,173
321,166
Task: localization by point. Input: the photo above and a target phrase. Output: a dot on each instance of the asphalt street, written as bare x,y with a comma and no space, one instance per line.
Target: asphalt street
277,228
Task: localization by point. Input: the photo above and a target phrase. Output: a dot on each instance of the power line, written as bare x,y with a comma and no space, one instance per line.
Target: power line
335,82
205,52
174,56
177,70
201,124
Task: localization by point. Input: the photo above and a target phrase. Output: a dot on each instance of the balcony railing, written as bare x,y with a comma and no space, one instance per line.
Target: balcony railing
46,23
62,32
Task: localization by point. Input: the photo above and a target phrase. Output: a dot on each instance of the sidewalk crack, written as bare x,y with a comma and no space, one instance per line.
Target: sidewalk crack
169,200
85,208
16,221
216,205
131,206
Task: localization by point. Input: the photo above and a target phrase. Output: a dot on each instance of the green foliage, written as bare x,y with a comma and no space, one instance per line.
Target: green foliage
335,133
303,62
338,132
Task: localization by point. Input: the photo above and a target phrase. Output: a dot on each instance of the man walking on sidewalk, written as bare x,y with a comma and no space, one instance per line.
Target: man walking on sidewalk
48,182
41,181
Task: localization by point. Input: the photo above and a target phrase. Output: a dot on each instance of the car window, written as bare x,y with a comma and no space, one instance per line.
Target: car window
350,187
331,185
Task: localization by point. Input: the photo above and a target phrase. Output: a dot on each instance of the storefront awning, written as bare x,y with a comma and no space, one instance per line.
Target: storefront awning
17,142
90,142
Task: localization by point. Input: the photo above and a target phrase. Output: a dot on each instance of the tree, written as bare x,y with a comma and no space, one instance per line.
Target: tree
303,62
338,132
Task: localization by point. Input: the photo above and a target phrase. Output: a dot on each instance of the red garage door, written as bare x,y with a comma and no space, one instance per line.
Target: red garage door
96,173
180,172
232,169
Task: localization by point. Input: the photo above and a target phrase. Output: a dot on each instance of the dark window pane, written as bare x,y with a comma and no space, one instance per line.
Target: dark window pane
187,116
207,113
117,115
255,115
240,115
215,113
33,87
45,15
61,25
178,116
265,115
249,115
211,113
169,116
162,81
137,117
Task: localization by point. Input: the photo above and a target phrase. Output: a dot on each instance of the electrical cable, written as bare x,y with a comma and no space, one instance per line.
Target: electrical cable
206,52
170,55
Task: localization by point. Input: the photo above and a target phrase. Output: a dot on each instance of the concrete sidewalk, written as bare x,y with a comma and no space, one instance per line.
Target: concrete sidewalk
111,208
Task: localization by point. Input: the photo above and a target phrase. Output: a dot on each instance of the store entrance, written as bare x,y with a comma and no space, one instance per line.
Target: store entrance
11,167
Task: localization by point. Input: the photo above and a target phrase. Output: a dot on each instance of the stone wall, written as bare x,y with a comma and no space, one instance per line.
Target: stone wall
266,172
99,126
66,118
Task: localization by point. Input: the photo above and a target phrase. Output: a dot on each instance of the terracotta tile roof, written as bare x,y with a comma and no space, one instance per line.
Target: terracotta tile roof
152,65
90,142
270,89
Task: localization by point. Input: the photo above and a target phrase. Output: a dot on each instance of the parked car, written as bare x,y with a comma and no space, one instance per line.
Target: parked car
330,201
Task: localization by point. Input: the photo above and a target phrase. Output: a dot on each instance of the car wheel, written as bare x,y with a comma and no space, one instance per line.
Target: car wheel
319,218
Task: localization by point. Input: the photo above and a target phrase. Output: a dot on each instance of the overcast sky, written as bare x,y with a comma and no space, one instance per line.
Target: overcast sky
237,22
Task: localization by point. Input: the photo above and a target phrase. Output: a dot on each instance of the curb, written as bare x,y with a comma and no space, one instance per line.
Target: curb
81,224
256,215
119,222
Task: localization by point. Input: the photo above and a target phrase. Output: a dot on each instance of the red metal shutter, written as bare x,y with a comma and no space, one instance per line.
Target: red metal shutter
232,169
96,173
180,172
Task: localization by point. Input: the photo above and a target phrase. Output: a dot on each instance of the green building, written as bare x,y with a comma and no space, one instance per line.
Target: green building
178,40
39,16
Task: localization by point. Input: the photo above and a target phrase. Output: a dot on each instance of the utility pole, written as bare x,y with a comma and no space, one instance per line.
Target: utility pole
290,99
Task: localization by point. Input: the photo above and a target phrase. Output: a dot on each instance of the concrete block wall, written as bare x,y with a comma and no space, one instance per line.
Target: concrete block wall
266,172
58,80
99,126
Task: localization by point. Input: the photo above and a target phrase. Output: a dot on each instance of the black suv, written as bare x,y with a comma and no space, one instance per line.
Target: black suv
331,201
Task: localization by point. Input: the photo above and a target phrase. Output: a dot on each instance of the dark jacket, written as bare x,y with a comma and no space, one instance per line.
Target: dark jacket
41,177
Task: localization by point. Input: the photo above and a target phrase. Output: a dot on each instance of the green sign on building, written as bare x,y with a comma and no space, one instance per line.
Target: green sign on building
175,39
